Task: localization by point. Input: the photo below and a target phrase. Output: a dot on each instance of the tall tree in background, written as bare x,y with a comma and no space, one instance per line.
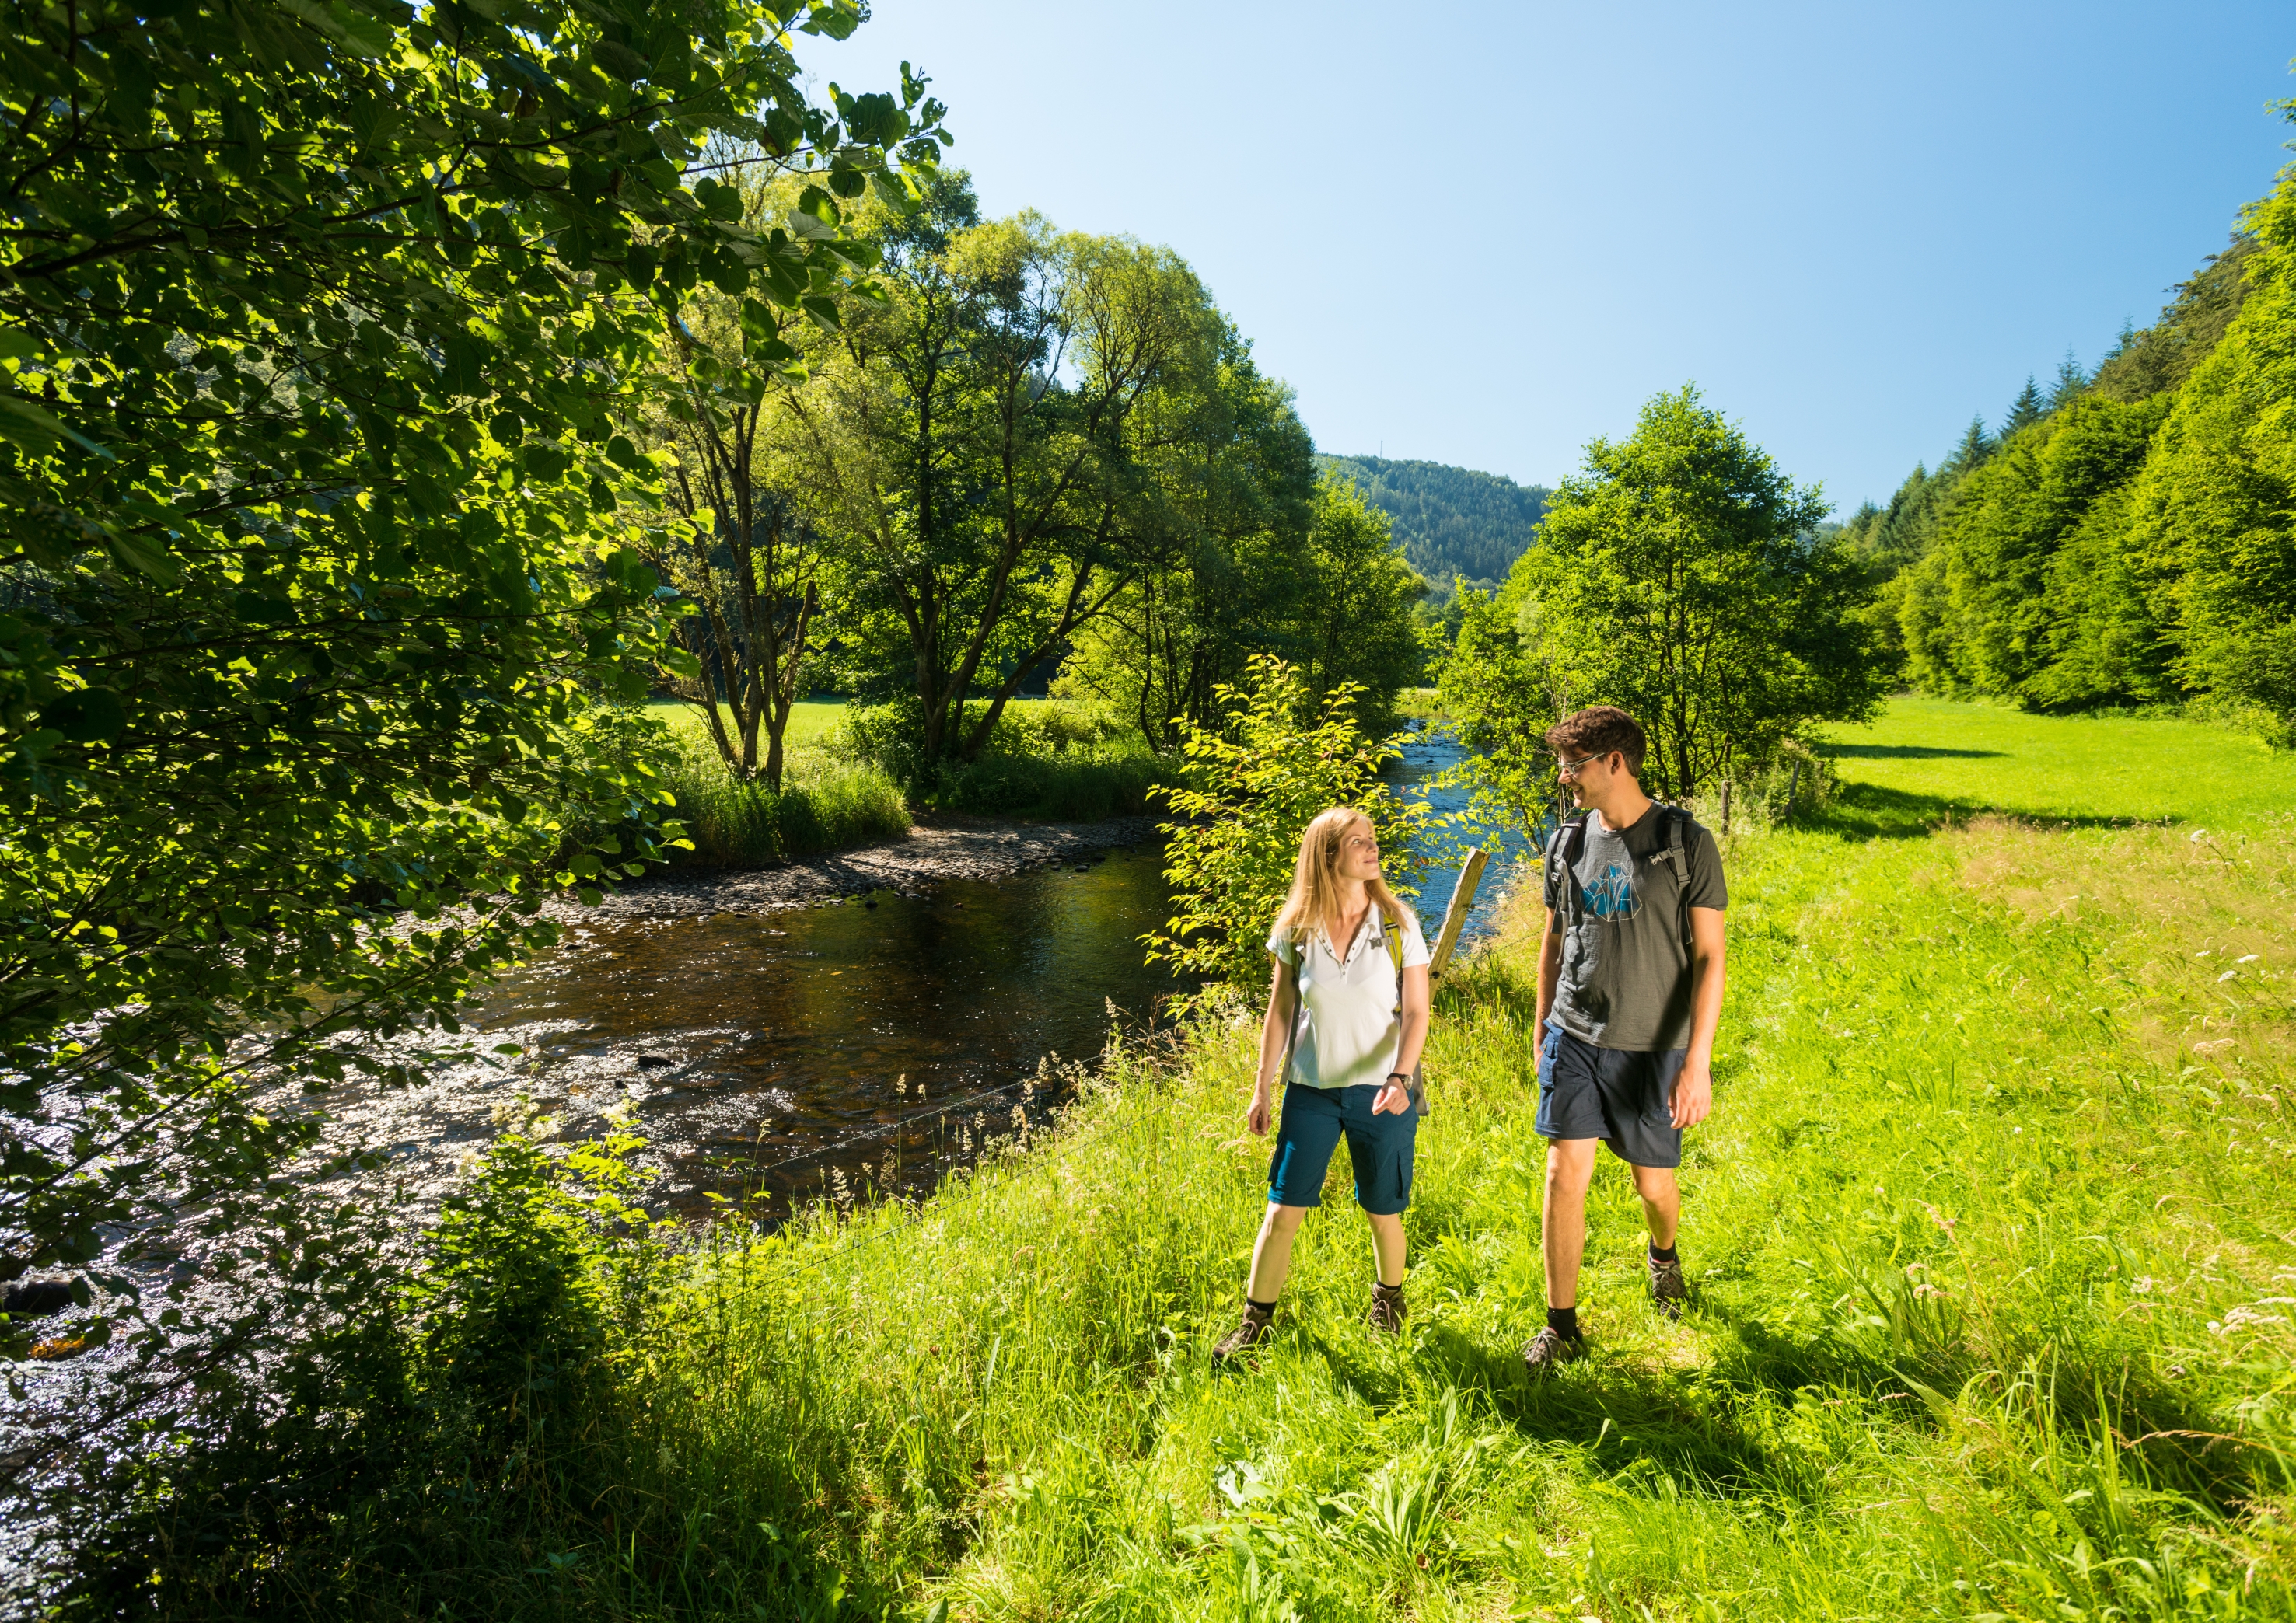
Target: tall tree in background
746,555
986,443
324,327
1240,484
2025,410
1354,624
1678,577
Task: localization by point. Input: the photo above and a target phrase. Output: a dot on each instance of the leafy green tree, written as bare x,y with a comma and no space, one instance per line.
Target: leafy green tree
1281,756
1678,577
1240,484
1354,624
323,326
985,444
2214,512
1503,689
2032,599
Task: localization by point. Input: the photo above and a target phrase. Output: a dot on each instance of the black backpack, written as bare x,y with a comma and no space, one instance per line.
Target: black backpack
1569,839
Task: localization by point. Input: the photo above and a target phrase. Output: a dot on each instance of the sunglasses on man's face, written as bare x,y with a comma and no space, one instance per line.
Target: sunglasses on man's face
1569,769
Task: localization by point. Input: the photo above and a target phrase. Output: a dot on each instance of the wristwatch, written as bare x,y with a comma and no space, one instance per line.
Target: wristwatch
1399,1075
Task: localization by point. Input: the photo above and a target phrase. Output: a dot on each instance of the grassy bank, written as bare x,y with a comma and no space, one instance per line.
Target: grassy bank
1055,766
1989,1236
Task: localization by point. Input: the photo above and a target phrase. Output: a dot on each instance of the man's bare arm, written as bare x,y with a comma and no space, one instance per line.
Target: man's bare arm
1550,970
1693,1090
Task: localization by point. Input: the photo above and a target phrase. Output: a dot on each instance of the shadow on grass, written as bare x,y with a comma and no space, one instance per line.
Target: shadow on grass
1903,752
1867,811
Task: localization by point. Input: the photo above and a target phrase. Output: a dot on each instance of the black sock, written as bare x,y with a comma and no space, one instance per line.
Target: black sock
1263,1306
1563,1322
1662,1253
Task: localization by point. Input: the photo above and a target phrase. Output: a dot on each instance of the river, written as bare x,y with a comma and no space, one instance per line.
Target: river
865,1046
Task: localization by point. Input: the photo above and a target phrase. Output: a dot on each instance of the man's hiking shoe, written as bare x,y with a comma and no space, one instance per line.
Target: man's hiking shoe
1257,1326
1668,1292
1387,1309
1549,1348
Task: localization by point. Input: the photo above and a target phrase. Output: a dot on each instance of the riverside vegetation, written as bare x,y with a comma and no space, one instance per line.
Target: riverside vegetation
1987,1236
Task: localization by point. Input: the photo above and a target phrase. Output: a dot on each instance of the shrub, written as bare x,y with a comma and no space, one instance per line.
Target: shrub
1062,789
1236,840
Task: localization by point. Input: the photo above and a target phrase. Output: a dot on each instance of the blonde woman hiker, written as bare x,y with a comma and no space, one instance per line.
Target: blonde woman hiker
1347,1017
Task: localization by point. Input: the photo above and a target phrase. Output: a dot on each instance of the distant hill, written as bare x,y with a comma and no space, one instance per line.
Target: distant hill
1449,520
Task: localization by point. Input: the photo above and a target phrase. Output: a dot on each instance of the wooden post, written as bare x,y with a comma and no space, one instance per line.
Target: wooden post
1725,806
1455,916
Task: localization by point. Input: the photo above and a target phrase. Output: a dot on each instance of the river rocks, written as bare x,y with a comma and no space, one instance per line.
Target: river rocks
36,1298
929,854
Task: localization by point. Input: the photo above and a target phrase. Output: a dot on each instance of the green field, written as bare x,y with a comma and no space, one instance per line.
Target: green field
1989,1239
1944,757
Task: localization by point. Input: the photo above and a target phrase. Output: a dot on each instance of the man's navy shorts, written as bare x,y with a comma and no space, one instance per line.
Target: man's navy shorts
1619,1096
1379,1146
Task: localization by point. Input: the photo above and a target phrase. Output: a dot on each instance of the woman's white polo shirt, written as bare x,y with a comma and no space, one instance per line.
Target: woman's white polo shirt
1347,1030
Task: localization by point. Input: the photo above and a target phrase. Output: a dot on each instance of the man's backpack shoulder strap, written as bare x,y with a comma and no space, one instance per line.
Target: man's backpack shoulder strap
1679,823
1563,849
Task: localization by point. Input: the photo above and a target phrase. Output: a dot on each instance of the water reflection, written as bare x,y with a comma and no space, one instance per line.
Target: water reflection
769,1055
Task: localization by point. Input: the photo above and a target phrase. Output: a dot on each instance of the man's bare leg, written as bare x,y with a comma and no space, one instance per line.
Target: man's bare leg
1662,1204
1563,1219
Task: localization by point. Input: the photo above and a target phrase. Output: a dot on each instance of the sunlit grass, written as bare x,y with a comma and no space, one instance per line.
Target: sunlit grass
1975,756
1989,1234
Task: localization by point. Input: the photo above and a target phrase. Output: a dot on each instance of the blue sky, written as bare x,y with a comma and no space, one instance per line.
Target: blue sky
1484,234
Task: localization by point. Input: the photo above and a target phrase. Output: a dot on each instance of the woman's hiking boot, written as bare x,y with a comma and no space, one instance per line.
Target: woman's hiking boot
1387,1308
1549,1348
1257,1326
1668,1292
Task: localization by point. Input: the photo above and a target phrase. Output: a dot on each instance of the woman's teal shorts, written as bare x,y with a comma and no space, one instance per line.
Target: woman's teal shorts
1379,1146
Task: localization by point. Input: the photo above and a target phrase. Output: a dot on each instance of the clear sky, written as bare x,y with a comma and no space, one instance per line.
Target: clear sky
1484,234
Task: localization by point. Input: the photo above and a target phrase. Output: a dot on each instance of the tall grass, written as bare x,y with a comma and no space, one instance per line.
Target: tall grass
1991,1261
824,804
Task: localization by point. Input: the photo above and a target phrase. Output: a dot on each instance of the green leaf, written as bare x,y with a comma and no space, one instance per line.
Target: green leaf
823,310
36,428
86,715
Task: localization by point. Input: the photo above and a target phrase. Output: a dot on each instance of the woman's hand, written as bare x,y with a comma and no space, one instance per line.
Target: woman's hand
1394,1099
1263,1106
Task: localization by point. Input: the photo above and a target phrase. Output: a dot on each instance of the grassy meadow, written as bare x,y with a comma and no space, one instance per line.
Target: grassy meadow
1990,1239
1990,1233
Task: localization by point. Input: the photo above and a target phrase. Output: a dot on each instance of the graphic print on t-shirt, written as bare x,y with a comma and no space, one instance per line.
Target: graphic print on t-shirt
1613,896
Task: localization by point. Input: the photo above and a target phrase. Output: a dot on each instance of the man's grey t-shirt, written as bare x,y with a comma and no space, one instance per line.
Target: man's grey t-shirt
1626,978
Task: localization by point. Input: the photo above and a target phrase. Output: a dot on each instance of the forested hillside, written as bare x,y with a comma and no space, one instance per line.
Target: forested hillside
2130,538
1449,521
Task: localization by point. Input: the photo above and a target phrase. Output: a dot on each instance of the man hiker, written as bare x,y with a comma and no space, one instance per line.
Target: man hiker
1630,995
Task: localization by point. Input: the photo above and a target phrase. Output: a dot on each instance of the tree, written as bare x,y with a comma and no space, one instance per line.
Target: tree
2070,379
985,443
1354,626
1976,445
747,556
2213,514
1280,757
323,328
1241,484
1677,575
2024,410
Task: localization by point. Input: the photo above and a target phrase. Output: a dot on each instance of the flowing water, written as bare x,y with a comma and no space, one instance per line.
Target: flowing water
868,1045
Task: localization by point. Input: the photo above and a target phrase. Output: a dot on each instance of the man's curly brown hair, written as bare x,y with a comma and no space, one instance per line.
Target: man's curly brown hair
1597,730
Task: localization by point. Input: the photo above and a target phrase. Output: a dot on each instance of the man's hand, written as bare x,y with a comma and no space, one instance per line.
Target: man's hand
1393,1099
1693,1094
1263,1105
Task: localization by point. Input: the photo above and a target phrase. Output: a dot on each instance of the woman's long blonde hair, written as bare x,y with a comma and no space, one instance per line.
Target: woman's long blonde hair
1315,897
